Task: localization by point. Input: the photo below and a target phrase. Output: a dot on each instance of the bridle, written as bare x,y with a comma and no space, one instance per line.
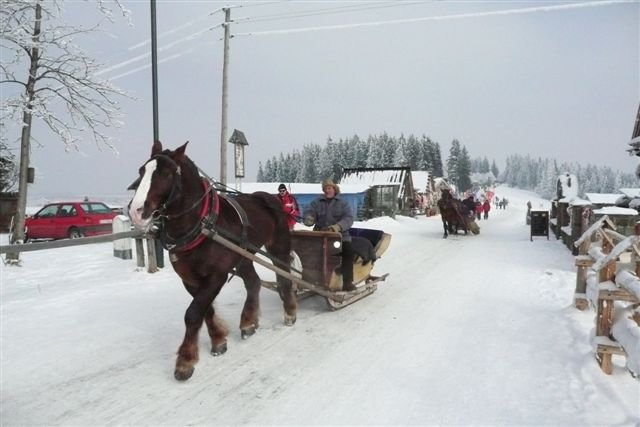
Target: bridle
208,213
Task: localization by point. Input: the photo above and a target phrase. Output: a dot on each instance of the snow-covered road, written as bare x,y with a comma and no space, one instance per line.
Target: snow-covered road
466,331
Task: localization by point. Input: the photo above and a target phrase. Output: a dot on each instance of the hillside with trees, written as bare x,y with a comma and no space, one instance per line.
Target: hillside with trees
315,162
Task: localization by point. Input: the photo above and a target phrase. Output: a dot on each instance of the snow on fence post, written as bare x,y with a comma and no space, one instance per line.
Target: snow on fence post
121,247
584,261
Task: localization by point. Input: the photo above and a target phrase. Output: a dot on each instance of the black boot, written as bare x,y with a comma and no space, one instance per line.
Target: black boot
348,287
347,267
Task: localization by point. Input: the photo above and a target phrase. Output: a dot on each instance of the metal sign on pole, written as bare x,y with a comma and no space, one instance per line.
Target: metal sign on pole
239,141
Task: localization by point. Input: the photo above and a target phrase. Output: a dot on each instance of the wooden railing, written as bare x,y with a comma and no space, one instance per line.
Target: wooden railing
613,288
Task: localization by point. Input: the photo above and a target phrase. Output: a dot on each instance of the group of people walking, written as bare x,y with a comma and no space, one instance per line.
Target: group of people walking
476,208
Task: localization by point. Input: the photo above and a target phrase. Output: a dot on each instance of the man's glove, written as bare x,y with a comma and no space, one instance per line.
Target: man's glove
309,220
335,228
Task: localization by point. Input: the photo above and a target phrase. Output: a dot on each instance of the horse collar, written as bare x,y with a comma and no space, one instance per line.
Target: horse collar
208,217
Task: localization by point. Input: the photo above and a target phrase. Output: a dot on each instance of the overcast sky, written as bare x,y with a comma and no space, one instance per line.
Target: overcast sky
552,79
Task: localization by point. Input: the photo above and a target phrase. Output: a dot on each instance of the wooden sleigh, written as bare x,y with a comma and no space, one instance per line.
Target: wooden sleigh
316,264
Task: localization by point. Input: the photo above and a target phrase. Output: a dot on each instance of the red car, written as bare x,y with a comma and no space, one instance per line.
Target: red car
69,220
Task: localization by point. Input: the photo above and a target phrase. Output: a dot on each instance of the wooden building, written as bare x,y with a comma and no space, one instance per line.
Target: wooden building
391,189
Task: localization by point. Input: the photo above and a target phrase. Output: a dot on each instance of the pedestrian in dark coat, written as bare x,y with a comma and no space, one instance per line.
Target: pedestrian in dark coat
479,210
486,207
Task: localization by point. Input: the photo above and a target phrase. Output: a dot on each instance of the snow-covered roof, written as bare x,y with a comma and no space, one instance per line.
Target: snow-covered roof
296,187
574,201
482,177
374,177
615,210
577,201
568,183
602,198
420,179
631,192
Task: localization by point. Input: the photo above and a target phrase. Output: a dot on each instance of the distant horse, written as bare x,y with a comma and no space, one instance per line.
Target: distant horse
452,213
172,199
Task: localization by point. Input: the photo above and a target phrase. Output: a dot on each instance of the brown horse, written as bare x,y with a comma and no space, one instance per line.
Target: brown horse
173,202
452,213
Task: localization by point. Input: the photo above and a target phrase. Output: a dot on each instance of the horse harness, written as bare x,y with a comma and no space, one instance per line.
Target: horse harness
209,212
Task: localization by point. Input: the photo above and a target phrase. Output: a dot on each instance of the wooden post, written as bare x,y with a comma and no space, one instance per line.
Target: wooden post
151,256
603,328
583,262
604,318
139,252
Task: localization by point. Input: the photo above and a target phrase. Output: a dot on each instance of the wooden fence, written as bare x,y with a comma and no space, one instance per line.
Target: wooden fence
152,265
612,287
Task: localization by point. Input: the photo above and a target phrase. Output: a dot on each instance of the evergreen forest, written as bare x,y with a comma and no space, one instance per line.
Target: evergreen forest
315,162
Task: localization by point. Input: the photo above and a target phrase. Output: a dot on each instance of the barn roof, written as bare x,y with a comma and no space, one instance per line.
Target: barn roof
630,192
615,210
602,198
420,179
374,176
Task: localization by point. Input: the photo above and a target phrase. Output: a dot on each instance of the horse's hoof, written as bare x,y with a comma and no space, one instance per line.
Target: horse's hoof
289,320
219,350
247,332
183,374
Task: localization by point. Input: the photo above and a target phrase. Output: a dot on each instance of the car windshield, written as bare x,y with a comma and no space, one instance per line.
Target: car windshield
96,208
48,211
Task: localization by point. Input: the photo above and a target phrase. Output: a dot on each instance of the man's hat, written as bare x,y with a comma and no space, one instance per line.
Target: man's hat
329,183
282,187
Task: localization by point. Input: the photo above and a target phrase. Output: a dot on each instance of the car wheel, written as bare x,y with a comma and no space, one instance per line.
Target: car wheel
74,233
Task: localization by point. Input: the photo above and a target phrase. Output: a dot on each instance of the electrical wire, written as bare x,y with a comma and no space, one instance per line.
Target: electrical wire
438,18
326,11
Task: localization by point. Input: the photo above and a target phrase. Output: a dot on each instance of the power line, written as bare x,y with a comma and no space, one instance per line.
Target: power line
326,11
439,18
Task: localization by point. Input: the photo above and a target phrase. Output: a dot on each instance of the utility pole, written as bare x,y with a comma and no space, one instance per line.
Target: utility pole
18,234
225,104
154,247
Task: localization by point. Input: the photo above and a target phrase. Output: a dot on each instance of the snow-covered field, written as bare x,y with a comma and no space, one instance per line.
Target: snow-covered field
471,330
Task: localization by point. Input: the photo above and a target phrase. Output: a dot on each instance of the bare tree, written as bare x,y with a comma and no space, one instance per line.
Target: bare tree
61,87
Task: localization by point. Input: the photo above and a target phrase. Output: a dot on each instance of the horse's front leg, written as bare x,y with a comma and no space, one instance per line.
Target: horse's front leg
203,297
444,225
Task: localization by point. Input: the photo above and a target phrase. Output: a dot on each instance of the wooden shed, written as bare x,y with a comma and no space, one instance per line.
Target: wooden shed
391,189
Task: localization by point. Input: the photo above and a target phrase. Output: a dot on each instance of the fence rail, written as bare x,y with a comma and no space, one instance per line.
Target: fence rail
54,244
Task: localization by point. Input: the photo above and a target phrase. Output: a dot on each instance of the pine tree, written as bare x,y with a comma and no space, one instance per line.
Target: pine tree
399,158
463,171
8,170
494,169
375,158
260,176
413,154
452,162
437,160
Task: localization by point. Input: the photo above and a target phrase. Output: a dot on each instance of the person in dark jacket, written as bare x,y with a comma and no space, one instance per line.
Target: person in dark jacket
486,207
470,206
330,212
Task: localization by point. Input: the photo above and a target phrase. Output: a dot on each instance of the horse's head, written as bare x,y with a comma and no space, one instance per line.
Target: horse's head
157,186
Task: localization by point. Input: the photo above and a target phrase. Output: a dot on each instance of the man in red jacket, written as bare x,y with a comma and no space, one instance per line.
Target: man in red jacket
289,205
